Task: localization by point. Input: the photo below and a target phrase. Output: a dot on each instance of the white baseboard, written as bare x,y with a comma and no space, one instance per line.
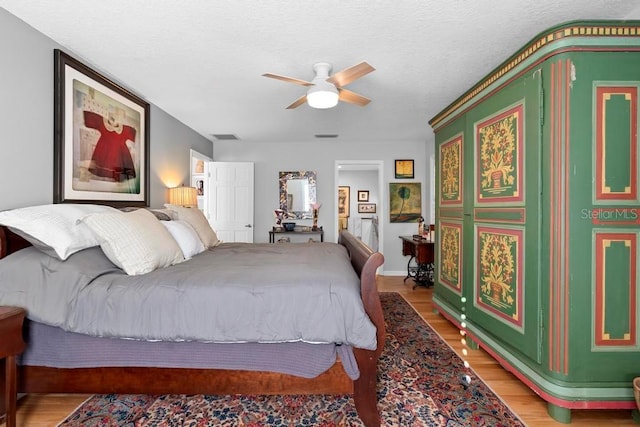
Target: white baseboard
394,273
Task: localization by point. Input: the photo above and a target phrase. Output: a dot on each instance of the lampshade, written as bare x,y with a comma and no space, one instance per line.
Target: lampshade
183,196
322,95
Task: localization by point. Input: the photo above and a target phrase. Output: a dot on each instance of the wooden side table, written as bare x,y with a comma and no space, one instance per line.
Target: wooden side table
11,344
281,231
421,252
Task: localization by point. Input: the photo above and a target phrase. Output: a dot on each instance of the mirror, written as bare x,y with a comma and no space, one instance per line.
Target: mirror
298,193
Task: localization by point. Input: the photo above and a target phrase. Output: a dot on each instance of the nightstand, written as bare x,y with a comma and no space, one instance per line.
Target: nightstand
11,344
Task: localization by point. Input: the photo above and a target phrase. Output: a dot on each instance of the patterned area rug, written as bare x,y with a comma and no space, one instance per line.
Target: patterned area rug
420,383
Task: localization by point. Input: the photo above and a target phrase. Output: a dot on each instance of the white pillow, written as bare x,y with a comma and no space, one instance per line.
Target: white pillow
198,221
134,241
54,229
186,237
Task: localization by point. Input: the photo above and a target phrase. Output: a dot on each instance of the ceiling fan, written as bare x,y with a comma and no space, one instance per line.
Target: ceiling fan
325,90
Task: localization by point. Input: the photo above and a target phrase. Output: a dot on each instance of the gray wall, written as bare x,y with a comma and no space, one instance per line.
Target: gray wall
26,117
271,158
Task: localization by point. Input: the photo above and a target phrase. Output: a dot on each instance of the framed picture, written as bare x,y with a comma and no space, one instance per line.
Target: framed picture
404,169
198,161
343,201
198,183
363,195
366,208
101,138
405,201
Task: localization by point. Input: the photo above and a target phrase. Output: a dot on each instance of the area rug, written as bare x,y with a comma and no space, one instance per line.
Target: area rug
421,382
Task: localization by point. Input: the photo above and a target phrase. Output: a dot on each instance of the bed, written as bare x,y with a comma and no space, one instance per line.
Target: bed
170,375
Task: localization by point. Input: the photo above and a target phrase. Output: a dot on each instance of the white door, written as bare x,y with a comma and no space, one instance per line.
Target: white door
230,200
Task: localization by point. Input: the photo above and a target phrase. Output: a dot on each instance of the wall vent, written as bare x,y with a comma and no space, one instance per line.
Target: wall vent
225,137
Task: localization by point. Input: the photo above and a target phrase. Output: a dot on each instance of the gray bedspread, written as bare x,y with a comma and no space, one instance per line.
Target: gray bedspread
236,292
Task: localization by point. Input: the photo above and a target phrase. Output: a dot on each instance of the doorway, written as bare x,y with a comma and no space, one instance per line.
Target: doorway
366,200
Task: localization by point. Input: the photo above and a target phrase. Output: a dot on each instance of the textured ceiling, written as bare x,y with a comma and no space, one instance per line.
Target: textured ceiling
202,61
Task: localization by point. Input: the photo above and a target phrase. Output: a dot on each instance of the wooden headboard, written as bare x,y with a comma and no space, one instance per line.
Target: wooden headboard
10,242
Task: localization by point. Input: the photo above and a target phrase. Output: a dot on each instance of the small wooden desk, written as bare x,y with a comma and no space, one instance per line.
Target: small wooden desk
420,265
272,234
11,344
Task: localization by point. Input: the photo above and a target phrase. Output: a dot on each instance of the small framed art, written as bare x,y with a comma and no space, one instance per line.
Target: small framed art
404,169
199,184
405,201
363,195
366,208
343,201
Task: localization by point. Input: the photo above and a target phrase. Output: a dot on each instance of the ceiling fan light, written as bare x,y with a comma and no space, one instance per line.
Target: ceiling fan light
322,95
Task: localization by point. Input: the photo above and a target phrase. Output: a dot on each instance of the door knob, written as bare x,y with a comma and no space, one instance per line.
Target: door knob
248,225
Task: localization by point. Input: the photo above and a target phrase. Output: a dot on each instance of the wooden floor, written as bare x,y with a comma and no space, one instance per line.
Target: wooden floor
49,409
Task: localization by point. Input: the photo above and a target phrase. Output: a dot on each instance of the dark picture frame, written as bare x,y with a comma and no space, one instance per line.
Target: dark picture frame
405,201
101,138
366,208
363,195
344,201
404,169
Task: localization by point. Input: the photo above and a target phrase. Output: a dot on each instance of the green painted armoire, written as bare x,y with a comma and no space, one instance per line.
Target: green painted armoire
538,215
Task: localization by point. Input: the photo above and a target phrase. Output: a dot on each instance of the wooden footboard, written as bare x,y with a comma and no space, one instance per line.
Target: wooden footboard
33,379
366,262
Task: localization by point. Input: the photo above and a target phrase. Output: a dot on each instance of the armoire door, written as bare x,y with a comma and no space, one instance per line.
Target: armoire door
501,225
450,281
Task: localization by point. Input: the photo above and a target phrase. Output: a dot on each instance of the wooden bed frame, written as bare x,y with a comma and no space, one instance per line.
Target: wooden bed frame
36,379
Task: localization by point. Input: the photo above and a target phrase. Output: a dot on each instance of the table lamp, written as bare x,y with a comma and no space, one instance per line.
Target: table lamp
183,196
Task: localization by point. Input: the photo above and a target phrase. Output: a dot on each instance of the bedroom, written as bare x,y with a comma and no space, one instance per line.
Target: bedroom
30,78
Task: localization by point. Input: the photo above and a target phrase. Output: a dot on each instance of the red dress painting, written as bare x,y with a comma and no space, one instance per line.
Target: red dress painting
111,157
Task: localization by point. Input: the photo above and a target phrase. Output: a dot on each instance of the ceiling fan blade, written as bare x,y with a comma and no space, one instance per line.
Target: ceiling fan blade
298,102
346,76
352,97
288,79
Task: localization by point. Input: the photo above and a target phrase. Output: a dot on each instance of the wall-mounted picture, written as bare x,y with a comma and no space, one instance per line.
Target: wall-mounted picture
404,169
198,161
363,195
366,208
198,183
343,201
405,201
199,166
101,143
